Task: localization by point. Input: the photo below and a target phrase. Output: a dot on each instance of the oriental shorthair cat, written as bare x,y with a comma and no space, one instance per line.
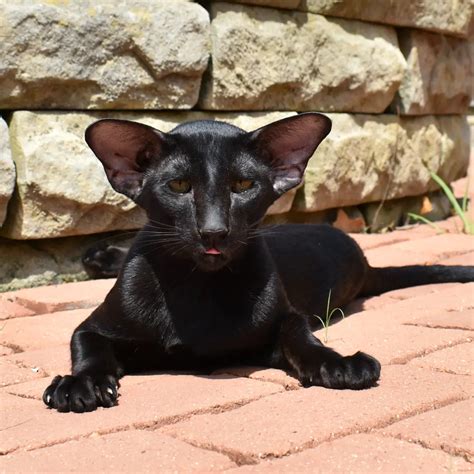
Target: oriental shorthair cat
203,286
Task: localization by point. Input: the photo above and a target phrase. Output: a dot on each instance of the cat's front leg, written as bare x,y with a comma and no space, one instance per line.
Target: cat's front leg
94,380
316,364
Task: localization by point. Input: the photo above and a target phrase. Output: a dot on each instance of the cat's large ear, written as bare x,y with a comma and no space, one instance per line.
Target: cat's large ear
125,149
288,144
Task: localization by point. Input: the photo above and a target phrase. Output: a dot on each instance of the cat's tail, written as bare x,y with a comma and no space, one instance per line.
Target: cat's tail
380,280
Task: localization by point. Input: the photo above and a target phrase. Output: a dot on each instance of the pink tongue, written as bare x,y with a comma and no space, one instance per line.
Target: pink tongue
213,252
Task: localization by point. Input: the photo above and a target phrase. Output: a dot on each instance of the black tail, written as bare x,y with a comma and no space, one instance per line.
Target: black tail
380,280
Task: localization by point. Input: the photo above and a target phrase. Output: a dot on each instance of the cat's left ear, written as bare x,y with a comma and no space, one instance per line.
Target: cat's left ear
288,144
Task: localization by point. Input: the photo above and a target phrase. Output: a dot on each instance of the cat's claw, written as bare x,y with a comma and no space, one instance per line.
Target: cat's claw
81,393
354,372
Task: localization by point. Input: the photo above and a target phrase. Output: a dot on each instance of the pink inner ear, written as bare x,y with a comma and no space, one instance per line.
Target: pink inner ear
292,142
288,144
124,148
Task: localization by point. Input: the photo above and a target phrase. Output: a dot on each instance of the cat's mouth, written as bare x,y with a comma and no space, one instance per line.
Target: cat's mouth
212,259
212,251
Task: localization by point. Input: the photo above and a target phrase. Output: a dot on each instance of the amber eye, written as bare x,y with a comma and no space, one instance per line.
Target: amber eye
241,185
181,186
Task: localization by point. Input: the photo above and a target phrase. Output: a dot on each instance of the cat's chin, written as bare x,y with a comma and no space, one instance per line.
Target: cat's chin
211,263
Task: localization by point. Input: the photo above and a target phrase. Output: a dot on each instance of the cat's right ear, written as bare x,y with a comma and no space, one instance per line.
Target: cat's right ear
125,149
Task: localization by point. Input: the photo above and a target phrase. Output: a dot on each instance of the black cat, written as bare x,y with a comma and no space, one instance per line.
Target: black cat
202,286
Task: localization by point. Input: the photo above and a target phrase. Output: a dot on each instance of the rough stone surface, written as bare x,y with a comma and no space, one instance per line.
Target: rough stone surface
120,452
445,16
72,296
270,3
275,60
372,158
7,170
48,362
362,453
455,360
422,252
290,382
300,418
438,320
439,74
160,399
439,429
141,56
387,215
43,331
11,373
33,263
9,308
62,189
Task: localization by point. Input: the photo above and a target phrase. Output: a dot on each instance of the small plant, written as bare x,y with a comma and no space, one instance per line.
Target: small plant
461,210
327,320
417,217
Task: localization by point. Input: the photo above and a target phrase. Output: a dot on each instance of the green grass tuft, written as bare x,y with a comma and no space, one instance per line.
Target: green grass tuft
327,320
461,210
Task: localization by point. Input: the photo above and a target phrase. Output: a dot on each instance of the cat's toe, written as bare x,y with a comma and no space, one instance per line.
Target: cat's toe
81,393
103,261
354,372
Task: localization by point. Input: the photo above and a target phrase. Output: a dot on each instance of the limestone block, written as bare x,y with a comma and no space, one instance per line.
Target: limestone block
387,215
439,77
270,59
270,3
7,171
24,264
62,189
373,158
443,16
101,55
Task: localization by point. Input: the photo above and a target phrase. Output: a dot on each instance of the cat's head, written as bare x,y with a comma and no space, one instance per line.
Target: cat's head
206,184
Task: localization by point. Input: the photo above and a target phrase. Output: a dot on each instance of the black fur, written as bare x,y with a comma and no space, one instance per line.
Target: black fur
202,286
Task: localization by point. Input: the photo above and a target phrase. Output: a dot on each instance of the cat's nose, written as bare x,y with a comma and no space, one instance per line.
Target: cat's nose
213,236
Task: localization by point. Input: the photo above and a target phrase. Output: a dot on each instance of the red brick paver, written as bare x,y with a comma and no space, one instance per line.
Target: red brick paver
418,418
10,308
46,330
61,297
362,453
440,429
129,451
291,421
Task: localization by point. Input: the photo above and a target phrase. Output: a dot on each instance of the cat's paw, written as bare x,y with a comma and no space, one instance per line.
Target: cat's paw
353,372
81,393
103,260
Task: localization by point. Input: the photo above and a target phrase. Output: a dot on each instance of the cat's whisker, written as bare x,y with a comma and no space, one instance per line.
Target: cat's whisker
179,249
158,224
162,244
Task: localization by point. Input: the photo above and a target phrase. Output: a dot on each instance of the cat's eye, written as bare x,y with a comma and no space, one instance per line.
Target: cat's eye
241,185
181,186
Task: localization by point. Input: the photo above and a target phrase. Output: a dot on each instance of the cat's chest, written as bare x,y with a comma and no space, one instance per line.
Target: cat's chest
214,319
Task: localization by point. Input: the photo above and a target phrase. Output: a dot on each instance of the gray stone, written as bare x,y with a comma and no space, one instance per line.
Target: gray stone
62,189
374,158
270,3
24,264
439,77
387,215
271,59
99,55
7,171
443,16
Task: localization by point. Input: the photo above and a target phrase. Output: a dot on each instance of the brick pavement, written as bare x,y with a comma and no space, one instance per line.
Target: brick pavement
251,419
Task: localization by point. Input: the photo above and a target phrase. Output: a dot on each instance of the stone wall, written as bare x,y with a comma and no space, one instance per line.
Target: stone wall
396,78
